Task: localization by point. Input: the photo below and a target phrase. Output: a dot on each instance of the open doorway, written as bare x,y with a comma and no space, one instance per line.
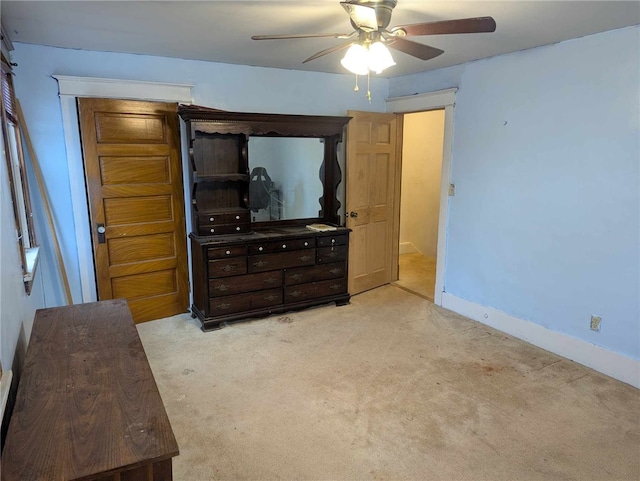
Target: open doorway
422,159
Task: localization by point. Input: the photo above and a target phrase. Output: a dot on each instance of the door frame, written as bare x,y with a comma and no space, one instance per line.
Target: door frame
441,99
69,89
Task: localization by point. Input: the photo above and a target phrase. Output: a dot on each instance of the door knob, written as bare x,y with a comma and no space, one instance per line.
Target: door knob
354,214
101,231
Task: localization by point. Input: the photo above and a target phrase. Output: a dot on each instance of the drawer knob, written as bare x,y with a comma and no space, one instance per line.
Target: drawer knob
238,228
333,241
224,306
228,268
212,219
237,217
306,244
284,246
228,252
212,230
260,248
221,288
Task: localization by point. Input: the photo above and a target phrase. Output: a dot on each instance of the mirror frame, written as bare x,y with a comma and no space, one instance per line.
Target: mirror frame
328,128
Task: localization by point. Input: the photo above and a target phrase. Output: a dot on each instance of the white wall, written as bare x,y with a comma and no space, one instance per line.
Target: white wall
545,223
422,142
223,86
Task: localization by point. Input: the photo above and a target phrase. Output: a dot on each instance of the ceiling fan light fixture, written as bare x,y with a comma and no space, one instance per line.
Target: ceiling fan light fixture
356,60
379,57
361,59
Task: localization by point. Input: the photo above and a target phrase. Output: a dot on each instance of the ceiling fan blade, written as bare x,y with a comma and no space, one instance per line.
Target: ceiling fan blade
328,51
301,35
362,16
462,25
415,49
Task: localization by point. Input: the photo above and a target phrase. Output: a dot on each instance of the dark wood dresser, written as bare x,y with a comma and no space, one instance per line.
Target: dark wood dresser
266,272
243,267
87,406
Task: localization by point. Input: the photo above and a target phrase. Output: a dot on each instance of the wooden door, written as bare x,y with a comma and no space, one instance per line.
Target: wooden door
134,185
372,199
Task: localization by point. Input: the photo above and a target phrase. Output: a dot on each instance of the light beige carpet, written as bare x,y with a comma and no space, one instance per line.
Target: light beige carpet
417,274
389,387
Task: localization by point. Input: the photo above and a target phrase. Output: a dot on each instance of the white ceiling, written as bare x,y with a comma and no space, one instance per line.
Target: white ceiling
220,31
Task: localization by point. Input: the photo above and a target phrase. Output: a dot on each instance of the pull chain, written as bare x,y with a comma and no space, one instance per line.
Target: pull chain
356,88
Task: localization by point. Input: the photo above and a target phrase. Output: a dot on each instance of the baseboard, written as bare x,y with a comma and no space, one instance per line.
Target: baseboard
598,358
407,248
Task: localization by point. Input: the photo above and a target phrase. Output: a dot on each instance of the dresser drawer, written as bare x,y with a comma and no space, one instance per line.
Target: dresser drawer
219,306
327,255
251,282
214,218
314,290
238,217
211,219
281,246
301,275
222,252
223,229
334,240
282,260
227,267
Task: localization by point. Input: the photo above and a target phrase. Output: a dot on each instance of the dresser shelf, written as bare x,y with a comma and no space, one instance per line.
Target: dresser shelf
220,178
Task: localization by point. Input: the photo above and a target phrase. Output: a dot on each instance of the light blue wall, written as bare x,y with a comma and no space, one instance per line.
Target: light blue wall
16,307
545,223
223,86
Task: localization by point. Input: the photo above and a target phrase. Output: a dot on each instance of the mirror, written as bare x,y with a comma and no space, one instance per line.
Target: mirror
285,177
295,154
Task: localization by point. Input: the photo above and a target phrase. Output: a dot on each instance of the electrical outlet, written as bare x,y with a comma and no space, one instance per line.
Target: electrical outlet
595,323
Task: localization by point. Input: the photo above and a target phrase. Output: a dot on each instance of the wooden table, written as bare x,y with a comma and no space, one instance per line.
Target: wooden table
88,407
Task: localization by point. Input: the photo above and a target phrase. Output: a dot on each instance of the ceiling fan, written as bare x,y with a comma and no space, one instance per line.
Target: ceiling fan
367,43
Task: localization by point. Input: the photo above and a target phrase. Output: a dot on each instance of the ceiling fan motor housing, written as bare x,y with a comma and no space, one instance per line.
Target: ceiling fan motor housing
382,8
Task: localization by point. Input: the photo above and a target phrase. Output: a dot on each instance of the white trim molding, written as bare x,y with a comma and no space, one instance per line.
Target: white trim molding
5,388
69,89
420,102
607,362
442,99
123,89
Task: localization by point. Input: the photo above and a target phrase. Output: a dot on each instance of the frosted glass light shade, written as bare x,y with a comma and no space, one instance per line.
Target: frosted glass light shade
379,57
356,59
